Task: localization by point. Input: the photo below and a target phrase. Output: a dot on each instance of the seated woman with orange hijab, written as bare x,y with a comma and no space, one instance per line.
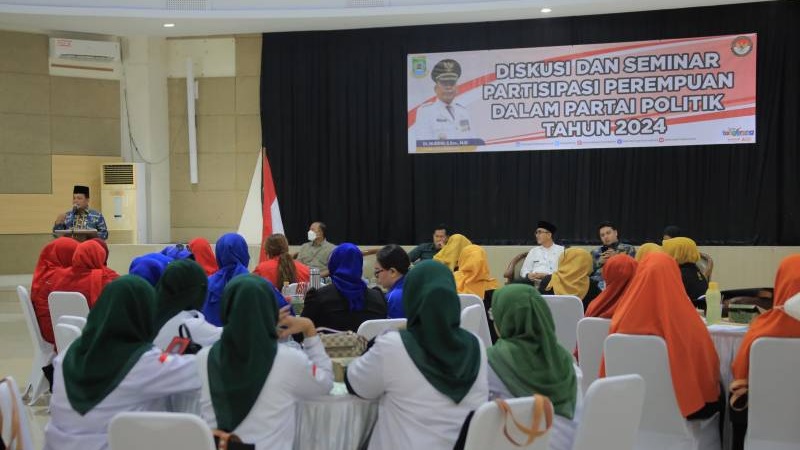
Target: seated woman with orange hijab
773,323
280,267
649,307
88,273
617,273
572,277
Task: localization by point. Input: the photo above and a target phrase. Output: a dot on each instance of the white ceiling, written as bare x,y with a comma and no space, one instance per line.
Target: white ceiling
216,17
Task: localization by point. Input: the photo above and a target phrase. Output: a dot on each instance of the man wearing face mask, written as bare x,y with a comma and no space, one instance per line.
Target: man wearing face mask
80,217
317,250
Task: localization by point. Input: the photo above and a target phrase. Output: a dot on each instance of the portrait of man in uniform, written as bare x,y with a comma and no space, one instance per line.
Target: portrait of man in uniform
445,118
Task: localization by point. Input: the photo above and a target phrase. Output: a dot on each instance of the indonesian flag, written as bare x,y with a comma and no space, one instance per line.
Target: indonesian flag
261,216
270,211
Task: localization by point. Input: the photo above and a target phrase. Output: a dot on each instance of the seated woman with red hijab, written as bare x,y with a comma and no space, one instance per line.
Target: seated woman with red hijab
88,273
203,254
55,258
617,273
773,323
280,267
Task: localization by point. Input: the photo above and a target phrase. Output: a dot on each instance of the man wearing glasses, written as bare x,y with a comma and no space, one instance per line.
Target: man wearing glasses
542,260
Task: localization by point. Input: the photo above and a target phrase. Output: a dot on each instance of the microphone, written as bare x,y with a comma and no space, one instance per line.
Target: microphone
74,209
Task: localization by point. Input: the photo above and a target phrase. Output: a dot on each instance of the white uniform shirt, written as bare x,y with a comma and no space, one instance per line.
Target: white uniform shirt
294,376
145,388
412,414
202,332
435,122
562,433
541,260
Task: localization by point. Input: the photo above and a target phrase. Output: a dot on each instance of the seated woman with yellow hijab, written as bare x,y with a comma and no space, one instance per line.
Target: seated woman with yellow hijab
449,254
685,252
572,277
473,277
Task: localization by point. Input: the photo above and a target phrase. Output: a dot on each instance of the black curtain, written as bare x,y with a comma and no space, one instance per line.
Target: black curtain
333,112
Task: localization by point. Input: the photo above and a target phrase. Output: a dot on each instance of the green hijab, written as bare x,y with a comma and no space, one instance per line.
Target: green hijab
118,331
182,287
448,356
527,356
239,363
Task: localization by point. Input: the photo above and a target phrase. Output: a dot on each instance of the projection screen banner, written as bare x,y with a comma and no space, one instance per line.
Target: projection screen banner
692,91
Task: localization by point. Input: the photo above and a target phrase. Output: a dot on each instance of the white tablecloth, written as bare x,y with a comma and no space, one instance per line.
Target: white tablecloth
335,422
727,339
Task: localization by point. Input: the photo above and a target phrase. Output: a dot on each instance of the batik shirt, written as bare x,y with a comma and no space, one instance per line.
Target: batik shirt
85,220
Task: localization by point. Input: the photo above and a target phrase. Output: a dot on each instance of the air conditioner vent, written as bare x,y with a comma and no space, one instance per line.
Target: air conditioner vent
366,3
118,174
187,5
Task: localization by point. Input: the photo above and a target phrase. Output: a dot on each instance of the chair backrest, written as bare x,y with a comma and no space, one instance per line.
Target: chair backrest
706,265
65,335
469,300
67,304
159,431
514,266
647,357
773,397
79,322
567,310
371,328
592,332
473,318
486,428
30,320
13,415
612,410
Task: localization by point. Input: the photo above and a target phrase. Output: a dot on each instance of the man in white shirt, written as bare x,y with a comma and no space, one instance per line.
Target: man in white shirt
542,260
444,119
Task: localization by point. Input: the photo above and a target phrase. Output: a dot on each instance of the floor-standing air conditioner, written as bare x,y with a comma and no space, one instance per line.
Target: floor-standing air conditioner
124,202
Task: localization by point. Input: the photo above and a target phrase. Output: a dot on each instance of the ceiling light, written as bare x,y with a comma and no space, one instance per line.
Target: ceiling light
169,25
546,10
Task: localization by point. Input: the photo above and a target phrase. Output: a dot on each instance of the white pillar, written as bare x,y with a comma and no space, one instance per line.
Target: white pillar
145,80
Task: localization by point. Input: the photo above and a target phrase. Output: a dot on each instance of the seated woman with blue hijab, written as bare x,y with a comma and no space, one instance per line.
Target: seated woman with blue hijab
347,302
149,266
527,359
232,258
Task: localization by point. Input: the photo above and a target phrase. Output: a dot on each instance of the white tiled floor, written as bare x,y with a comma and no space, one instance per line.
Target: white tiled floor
15,355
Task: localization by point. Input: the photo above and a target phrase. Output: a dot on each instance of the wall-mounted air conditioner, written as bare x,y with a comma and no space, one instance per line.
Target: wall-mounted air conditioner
124,202
83,58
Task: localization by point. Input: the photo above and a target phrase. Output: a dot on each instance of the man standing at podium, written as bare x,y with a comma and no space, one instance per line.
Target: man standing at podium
80,217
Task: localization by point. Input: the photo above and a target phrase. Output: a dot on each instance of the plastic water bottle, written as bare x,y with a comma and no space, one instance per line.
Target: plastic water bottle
713,303
314,278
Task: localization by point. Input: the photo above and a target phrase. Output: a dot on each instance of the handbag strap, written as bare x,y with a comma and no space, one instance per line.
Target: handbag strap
533,431
331,331
184,329
15,428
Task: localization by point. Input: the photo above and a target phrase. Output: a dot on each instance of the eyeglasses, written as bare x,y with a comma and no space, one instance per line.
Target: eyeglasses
542,231
377,271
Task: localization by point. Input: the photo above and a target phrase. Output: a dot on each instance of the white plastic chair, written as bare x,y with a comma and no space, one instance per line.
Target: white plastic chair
567,310
159,431
592,332
65,335
486,429
10,400
67,304
43,351
473,318
612,410
79,322
469,300
773,397
662,426
371,328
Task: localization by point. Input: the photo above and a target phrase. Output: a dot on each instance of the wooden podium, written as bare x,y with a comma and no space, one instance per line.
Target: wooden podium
79,234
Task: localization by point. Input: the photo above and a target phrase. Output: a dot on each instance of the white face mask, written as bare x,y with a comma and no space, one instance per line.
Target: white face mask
792,306
311,235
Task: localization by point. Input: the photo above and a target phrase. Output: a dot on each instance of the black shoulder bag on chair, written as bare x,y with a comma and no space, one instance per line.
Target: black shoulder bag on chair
183,345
